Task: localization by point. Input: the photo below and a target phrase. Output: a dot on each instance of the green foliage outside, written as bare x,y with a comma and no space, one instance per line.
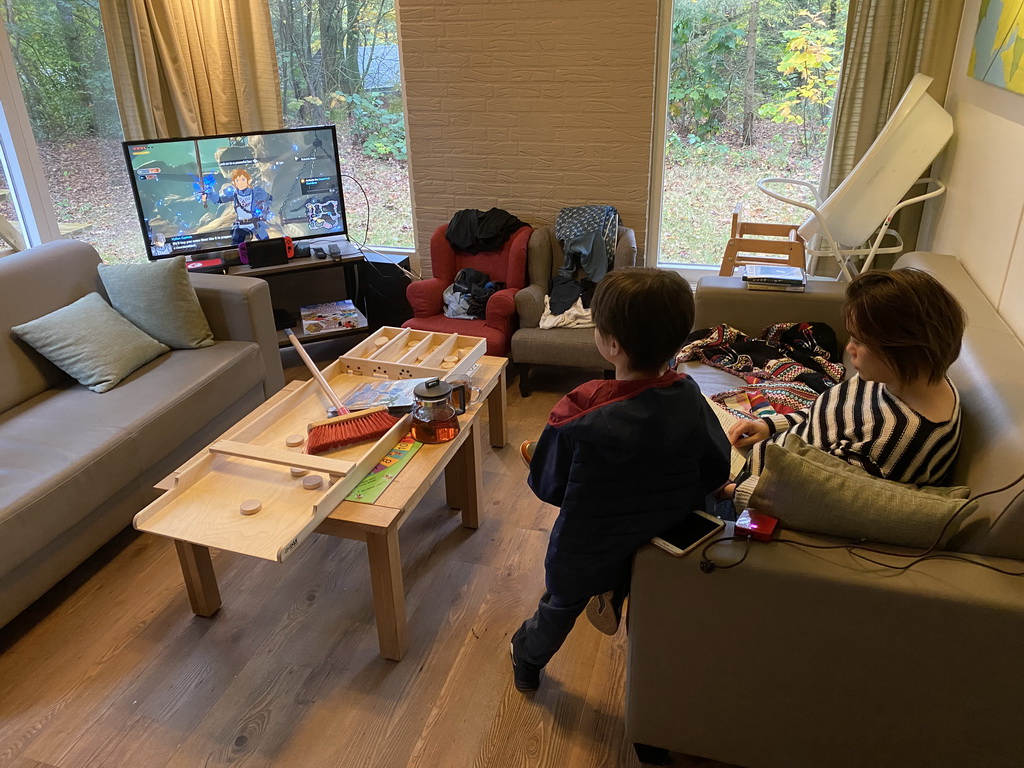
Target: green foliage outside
709,167
61,60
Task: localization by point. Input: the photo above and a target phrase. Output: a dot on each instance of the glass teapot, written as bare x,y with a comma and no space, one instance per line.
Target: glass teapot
434,415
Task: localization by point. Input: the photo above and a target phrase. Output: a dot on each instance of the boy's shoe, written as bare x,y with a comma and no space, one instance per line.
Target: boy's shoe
526,680
526,451
603,613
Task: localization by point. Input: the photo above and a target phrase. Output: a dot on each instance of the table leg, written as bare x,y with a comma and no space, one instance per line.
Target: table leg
463,479
200,578
388,593
497,412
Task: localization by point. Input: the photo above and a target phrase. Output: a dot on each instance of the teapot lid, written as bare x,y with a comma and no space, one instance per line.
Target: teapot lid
433,389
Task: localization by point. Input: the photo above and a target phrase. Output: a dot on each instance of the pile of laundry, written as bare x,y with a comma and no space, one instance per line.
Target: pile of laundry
587,234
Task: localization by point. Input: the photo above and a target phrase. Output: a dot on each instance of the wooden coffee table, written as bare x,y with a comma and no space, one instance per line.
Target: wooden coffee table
376,524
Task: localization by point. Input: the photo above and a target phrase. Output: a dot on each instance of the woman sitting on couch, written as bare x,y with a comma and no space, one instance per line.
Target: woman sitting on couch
898,417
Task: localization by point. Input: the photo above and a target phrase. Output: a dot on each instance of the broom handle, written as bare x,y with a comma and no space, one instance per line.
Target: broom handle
331,394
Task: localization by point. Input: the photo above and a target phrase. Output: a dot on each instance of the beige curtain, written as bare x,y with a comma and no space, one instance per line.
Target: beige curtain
192,67
887,43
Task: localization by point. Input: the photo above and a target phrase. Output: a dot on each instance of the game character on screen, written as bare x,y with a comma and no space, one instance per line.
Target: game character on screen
898,417
625,460
159,245
252,206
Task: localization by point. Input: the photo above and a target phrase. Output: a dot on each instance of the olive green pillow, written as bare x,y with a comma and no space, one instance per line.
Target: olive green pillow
810,490
158,297
91,342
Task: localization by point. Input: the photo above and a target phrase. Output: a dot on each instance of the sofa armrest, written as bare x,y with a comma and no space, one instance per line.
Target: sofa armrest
500,309
238,309
426,297
530,306
727,300
833,660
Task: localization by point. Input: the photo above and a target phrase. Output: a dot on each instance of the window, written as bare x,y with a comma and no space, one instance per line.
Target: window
338,61
60,60
749,88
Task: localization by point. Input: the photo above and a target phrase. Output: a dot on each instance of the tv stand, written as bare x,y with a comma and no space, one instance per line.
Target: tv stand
305,281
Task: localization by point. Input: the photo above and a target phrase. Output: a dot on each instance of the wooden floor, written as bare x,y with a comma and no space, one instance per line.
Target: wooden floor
111,668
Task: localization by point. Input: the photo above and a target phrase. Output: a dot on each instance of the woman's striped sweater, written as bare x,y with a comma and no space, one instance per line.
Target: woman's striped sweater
863,423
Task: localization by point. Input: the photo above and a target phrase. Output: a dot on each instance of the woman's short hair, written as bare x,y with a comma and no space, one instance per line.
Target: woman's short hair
648,311
908,319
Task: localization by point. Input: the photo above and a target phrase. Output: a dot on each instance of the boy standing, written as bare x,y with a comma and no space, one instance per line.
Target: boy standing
624,460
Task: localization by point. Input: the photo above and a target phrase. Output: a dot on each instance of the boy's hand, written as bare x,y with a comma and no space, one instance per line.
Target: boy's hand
744,433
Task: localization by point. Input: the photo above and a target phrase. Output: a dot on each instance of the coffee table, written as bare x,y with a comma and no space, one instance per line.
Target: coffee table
376,524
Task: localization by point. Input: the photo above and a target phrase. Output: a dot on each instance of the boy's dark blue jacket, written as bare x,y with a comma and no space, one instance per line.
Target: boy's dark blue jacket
625,461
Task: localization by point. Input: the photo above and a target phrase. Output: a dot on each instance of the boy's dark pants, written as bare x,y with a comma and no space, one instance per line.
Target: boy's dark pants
540,637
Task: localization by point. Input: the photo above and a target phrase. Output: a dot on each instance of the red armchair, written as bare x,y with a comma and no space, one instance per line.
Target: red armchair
507,266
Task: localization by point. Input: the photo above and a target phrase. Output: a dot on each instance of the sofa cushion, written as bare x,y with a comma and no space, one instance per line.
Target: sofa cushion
558,346
36,282
91,342
69,450
810,490
158,298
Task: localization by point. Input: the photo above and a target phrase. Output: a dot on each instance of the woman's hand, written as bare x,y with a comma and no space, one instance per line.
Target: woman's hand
746,432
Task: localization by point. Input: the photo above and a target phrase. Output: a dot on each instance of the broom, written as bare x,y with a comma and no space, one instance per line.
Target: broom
345,428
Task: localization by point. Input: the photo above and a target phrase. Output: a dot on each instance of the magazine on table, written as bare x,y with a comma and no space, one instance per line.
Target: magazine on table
396,394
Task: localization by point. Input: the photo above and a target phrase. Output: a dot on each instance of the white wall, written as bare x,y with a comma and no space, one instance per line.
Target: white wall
980,219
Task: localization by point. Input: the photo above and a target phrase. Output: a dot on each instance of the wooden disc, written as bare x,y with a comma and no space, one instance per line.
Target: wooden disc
452,359
380,341
250,506
299,471
312,482
294,441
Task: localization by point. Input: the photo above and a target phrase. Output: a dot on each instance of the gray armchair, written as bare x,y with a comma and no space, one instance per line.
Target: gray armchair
571,347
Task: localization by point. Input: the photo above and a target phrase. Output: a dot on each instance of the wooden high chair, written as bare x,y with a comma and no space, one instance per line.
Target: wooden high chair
742,250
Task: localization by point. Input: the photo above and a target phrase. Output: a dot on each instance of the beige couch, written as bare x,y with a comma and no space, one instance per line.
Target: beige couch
803,658
75,466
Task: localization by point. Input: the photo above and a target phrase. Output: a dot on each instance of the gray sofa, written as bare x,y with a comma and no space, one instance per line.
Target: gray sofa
75,466
802,658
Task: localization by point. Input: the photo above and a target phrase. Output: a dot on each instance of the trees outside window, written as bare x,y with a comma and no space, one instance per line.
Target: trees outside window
60,59
338,61
750,94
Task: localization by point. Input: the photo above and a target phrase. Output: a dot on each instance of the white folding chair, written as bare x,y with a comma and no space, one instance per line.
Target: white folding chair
865,202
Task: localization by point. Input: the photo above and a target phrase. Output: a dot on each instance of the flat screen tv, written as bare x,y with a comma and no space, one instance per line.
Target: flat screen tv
204,195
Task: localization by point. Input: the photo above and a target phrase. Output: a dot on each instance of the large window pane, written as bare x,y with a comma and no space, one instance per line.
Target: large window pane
750,93
338,61
61,60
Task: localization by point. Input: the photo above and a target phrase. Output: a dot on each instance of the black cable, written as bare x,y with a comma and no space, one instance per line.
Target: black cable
707,565
366,235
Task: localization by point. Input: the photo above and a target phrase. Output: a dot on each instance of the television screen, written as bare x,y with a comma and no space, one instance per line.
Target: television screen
203,194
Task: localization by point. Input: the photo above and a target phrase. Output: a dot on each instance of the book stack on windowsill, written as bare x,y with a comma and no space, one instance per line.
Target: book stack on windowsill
770,277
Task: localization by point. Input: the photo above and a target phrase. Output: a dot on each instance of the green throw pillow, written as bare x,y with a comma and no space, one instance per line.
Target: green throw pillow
810,490
159,298
91,342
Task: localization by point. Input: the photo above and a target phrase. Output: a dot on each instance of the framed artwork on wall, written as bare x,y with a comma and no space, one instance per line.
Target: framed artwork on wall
998,50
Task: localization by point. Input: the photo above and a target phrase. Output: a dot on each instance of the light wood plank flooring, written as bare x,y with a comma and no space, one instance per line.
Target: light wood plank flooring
111,668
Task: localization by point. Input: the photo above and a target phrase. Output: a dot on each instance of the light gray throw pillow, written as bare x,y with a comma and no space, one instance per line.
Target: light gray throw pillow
810,490
159,298
91,342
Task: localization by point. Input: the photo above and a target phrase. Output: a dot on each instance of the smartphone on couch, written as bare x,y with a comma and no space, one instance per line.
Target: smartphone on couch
696,528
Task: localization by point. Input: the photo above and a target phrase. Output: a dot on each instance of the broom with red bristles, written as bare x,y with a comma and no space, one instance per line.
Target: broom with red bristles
346,428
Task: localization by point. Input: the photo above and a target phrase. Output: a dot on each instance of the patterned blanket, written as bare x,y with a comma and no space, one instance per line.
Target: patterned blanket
785,368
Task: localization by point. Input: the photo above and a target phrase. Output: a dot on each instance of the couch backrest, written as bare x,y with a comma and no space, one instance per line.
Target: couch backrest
988,375
507,265
34,283
545,256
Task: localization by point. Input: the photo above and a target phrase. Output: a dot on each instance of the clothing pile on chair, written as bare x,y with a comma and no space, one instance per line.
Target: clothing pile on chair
587,234
466,298
475,231
785,368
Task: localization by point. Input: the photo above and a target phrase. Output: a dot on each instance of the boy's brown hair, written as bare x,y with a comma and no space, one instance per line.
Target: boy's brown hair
908,319
241,172
648,311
